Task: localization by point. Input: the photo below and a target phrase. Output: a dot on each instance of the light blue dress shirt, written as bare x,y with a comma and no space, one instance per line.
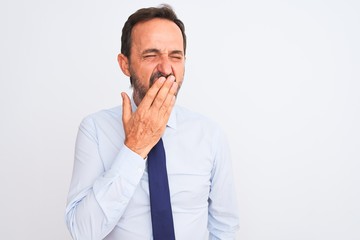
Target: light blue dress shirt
109,192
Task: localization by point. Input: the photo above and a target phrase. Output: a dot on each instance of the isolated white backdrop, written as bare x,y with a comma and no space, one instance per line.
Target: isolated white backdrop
281,77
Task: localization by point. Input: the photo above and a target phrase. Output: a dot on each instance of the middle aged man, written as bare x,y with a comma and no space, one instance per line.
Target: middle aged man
109,196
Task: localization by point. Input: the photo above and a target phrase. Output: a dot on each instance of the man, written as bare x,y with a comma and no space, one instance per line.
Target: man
109,196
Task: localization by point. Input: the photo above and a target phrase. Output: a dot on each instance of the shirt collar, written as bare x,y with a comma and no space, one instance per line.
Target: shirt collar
172,123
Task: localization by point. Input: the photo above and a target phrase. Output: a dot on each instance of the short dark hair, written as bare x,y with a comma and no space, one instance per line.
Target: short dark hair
144,14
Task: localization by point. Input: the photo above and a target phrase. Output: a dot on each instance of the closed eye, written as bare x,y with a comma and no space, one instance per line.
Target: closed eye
176,56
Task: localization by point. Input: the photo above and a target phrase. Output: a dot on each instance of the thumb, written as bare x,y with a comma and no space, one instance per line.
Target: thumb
126,108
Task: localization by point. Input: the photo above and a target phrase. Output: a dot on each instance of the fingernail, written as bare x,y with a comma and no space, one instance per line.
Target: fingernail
171,78
162,79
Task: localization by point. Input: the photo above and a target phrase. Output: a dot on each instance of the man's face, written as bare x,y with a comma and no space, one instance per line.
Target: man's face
157,50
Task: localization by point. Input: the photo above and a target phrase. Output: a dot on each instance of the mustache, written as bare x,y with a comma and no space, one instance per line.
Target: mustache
157,75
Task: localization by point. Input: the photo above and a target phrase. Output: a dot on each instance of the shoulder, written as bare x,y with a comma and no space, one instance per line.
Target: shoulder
196,120
104,116
201,129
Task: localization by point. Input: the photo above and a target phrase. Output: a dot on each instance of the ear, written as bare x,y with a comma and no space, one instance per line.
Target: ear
124,64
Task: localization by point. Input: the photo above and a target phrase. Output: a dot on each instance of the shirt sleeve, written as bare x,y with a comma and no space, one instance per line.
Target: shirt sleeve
223,210
97,198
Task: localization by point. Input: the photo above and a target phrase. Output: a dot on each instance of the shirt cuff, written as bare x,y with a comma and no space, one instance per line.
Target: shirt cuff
127,164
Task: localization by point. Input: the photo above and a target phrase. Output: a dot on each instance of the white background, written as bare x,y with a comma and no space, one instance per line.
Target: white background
281,77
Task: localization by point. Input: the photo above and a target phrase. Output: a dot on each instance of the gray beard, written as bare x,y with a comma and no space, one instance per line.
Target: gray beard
140,90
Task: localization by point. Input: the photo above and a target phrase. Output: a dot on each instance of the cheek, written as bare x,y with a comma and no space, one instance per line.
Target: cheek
147,70
142,73
179,72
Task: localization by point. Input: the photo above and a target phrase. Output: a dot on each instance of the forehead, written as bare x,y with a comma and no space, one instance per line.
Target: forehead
157,33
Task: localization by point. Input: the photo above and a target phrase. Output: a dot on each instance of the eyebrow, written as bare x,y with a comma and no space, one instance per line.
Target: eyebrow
154,50
177,52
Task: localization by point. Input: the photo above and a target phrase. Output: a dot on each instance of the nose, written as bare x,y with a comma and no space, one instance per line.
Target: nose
165,66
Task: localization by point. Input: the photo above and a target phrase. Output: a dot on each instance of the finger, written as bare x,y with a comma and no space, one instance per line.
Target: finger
174,88
163,92
152,93
165,112
126,109
169,102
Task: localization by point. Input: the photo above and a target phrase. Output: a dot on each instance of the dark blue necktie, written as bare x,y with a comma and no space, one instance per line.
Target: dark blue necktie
161,213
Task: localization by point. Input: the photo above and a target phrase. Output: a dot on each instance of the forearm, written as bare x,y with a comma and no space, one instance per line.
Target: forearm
94,212
99,193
